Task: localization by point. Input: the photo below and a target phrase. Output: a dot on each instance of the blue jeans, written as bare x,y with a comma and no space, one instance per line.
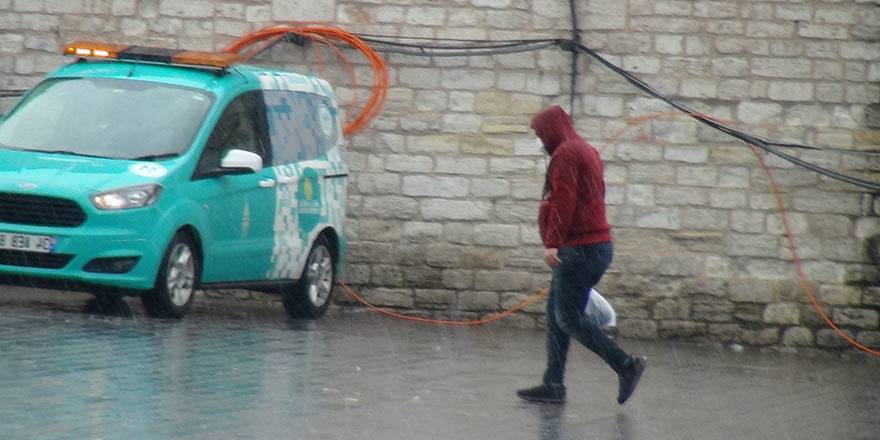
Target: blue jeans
581,268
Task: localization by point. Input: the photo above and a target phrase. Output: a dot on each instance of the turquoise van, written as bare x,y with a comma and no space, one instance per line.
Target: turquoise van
152,172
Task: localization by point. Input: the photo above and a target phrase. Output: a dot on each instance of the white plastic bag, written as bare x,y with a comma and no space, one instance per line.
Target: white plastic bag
599,310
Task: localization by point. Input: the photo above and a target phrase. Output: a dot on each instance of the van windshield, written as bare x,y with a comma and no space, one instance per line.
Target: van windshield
114,118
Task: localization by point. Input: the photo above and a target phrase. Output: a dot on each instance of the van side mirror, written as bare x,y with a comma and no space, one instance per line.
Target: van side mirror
241,162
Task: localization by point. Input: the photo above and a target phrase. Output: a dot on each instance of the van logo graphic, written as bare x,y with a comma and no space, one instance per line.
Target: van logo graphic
28,185
308,189
147,170
308,202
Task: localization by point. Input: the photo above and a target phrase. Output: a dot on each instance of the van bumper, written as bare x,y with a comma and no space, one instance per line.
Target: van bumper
87,258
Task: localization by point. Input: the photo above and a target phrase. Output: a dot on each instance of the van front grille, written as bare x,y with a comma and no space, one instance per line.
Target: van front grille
25,209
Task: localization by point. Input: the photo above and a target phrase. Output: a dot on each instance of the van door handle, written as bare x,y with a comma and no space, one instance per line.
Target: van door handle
267,183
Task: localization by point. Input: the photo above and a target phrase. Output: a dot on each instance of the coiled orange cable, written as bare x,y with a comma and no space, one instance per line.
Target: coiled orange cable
379,88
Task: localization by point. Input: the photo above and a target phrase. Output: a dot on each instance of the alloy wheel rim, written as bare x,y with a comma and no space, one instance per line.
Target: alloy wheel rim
181,274
319,276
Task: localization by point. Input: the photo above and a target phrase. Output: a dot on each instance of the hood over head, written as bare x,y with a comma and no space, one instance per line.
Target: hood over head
553,126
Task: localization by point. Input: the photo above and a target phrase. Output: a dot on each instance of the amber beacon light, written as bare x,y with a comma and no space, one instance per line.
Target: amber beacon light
91,49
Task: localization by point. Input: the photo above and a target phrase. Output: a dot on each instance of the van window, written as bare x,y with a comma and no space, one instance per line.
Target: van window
302,126
241,127
115,118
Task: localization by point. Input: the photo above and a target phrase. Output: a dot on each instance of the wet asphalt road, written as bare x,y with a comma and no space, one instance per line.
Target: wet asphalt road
244,370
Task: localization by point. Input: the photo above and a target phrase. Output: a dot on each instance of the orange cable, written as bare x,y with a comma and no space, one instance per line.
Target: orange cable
792,247
374,104
248,52
379,89
247,55
450,322
805,284
351,73
638,120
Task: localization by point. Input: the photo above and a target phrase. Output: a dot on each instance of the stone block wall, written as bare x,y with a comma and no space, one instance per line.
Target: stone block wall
445,183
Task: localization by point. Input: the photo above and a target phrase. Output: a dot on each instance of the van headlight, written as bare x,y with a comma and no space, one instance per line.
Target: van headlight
127,198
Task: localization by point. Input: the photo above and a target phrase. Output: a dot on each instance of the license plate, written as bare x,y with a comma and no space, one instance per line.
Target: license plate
24,242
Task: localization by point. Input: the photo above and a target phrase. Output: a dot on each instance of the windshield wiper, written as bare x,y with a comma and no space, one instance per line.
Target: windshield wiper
156,156
67,152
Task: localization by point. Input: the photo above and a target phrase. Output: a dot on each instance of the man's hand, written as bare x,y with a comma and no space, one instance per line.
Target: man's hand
551,257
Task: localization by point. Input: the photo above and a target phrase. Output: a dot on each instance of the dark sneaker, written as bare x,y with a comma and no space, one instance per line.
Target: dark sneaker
629,377
547,393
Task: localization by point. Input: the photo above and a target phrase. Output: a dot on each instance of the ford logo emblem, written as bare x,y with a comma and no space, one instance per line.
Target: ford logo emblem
28,185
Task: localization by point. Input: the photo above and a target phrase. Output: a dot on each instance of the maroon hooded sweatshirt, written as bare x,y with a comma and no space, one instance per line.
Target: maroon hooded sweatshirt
572,211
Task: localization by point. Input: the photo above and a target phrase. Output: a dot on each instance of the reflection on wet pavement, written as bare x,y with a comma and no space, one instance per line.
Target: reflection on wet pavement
234,371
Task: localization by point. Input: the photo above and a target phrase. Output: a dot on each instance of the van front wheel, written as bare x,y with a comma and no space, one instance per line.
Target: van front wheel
310,296
172,294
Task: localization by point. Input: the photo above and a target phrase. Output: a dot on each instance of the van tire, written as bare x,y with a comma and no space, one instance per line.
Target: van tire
176,281
310,296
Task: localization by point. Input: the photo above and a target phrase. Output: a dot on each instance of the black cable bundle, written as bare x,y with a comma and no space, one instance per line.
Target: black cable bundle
451,47
462,47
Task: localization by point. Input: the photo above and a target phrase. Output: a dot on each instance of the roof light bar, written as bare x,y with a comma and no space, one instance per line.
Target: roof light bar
91,49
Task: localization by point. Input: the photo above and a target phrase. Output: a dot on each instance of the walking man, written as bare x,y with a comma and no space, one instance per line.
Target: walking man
577,238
